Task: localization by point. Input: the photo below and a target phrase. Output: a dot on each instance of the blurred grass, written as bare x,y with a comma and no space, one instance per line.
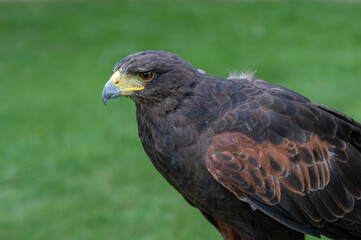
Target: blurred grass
71,168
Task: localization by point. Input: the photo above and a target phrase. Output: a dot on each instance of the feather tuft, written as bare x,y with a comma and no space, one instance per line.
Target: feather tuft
235,74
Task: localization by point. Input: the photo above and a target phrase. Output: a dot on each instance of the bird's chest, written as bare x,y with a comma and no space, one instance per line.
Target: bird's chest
180,156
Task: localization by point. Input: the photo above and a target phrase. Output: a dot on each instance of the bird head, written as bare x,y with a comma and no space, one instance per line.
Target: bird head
150,76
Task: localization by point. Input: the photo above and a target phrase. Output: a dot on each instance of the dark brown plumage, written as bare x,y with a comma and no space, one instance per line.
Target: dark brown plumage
258,160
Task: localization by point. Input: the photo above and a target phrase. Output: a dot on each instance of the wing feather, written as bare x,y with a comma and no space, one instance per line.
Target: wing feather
279,149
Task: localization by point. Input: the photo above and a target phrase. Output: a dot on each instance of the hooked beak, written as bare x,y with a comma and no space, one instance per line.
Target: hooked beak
121,84
110,90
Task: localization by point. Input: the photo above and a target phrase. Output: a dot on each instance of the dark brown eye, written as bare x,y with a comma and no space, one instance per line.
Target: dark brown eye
146,76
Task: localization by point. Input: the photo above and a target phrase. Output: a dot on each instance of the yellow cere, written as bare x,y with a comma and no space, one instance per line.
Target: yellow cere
126,82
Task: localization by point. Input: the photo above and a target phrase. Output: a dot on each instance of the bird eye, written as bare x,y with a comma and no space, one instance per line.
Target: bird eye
146,76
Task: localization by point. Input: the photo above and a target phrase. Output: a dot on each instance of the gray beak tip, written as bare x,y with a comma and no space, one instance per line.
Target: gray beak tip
105,97
105,101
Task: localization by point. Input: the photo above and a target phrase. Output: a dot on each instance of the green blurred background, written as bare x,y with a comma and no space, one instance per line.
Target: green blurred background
71,168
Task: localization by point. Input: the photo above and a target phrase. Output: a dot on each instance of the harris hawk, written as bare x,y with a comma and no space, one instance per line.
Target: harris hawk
258,160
